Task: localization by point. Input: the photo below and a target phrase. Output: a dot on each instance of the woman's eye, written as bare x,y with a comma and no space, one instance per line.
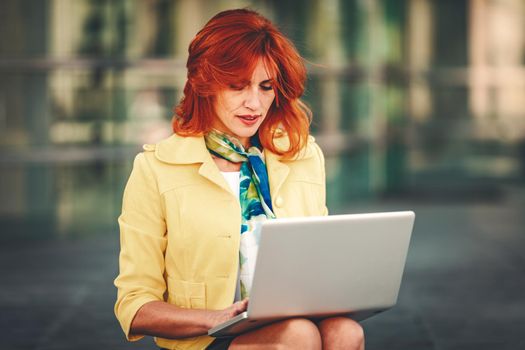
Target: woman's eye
237,87
266,87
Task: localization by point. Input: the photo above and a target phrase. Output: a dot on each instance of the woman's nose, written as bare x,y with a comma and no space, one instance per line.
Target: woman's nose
252,99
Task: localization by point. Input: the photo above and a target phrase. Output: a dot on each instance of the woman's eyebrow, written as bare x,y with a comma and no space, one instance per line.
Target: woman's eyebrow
266,81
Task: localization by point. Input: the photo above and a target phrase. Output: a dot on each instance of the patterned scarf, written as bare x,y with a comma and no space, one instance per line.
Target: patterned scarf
254,197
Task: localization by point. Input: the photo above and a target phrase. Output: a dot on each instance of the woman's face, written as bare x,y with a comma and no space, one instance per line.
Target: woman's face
241,108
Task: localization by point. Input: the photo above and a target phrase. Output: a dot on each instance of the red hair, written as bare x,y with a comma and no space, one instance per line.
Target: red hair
225,52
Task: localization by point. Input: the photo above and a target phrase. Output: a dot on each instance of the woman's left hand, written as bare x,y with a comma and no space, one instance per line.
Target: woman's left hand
220,316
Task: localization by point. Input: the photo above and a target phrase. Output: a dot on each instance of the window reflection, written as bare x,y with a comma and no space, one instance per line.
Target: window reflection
406,95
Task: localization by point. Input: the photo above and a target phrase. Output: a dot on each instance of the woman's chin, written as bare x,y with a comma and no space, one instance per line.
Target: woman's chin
246,132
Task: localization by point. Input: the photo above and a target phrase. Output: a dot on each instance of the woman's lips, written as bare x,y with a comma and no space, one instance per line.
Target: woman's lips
249,120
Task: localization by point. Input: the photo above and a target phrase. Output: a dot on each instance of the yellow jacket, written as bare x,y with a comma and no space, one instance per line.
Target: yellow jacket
180,226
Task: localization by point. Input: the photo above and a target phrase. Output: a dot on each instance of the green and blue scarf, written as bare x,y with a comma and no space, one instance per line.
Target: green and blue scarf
254,197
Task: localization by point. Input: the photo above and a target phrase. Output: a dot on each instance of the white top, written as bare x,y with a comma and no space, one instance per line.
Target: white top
233,178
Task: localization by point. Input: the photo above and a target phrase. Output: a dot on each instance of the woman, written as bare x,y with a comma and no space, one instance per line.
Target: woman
240,154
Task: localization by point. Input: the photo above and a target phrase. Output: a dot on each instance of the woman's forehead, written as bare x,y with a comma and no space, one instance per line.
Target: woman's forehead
261,72
250,71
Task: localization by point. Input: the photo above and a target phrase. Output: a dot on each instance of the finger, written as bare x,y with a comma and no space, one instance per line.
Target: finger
239,307
244,304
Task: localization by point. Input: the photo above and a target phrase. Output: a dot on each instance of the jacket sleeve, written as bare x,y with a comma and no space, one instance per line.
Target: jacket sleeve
320,156
142,245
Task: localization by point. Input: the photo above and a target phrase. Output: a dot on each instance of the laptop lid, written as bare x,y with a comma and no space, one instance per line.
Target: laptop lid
329,265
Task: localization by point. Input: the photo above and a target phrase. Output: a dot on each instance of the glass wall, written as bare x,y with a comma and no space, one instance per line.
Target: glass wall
420,98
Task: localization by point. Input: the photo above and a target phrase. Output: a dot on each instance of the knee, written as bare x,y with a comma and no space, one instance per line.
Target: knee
300,333
342,332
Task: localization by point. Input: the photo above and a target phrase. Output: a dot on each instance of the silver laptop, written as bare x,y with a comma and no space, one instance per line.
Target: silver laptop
316,267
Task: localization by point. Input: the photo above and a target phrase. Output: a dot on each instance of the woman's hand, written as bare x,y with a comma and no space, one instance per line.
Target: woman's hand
220,316
160,319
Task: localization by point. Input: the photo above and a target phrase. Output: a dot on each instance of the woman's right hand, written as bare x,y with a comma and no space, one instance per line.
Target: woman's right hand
219,316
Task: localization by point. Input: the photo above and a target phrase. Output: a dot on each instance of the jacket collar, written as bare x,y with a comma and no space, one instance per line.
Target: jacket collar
192,149
182,150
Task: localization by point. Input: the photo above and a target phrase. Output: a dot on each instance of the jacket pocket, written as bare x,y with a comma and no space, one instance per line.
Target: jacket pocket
185,294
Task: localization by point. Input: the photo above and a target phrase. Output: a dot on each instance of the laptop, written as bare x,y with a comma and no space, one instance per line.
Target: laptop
317,267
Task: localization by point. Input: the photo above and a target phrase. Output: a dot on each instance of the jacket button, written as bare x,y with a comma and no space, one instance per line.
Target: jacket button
279,202
148,147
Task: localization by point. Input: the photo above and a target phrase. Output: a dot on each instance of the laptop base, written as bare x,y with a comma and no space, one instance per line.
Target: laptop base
238,325
242,323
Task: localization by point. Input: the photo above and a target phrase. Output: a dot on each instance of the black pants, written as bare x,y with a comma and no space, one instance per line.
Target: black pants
218,344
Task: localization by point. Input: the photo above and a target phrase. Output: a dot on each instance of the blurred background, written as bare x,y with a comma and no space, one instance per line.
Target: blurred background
418,104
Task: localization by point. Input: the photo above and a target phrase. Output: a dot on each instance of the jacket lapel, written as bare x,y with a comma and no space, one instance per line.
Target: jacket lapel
210,171
277,172
191,150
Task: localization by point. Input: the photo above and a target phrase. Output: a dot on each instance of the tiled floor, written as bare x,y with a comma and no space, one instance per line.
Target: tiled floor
464,285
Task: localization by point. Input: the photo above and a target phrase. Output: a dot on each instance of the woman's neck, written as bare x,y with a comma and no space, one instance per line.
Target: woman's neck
225,165
244,141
